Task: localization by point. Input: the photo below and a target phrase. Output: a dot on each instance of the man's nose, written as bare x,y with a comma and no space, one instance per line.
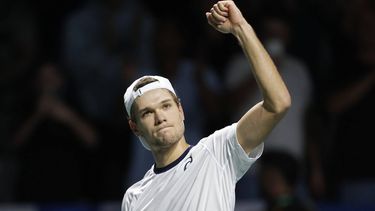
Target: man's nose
159,117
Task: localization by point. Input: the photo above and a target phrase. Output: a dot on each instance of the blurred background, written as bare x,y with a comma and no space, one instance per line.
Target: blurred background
65,65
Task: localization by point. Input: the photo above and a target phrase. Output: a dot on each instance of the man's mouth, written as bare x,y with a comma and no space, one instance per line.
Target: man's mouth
162,128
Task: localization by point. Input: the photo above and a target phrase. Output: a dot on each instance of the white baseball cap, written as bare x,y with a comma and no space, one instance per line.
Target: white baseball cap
131,94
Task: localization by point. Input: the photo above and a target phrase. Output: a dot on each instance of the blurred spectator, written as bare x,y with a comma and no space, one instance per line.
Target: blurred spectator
279,174
289,134
345,102
276,36
18,54
349,105
101,42
96,38
52,142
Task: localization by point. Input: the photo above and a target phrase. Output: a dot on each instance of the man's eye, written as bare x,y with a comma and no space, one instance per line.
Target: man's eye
166,106
147,113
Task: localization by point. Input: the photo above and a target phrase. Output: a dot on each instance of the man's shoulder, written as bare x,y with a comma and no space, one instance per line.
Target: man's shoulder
221,133
139,186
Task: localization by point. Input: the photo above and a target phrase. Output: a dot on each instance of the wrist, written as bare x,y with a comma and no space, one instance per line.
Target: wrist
242,31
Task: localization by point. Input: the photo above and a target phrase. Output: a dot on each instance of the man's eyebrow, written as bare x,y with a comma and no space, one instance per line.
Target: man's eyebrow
143,109
148,108
166,101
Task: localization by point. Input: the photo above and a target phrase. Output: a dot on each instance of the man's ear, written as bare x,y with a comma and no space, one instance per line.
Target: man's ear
133,127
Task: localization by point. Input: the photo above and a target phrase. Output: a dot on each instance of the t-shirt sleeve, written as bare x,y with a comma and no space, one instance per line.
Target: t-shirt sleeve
125,206
224,146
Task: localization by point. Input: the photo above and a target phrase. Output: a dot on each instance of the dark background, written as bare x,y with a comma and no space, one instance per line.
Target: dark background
61,49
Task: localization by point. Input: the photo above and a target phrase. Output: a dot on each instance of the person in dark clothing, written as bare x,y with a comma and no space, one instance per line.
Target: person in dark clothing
279,176
53,144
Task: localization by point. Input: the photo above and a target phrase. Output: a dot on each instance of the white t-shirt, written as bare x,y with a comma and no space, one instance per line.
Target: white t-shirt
202,178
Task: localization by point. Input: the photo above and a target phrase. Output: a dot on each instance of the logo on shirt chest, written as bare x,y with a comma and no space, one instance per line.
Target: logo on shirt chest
188,161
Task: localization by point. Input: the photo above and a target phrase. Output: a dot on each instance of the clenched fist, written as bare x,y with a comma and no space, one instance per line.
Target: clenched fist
225,17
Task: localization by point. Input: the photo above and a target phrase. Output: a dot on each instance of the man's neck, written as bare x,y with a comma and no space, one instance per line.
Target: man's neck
166,156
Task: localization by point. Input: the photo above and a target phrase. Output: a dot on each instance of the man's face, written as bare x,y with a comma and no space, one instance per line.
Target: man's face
158,119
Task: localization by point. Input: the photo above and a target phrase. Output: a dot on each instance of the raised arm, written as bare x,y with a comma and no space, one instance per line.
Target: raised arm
258,122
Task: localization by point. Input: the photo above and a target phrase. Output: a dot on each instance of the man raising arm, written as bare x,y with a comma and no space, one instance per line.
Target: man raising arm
204,176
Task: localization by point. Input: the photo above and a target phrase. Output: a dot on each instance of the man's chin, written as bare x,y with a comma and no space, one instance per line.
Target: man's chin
167,142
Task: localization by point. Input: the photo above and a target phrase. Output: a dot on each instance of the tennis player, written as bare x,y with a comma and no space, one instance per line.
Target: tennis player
204,176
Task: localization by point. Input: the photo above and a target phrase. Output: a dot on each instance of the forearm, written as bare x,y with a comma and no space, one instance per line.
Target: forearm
352,94
80,127
27,129
275,93
67,116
